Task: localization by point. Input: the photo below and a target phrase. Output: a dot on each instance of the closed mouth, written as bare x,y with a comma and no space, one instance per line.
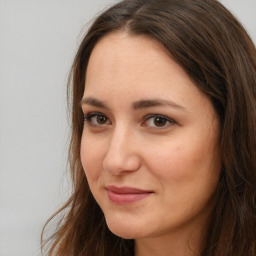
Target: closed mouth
126,195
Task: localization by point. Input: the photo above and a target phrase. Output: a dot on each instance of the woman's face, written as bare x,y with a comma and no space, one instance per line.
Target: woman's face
150,146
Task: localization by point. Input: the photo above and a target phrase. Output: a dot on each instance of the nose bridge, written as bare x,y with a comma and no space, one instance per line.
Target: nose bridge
121,155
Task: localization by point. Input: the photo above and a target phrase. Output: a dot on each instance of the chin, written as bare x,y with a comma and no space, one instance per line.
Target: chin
125,229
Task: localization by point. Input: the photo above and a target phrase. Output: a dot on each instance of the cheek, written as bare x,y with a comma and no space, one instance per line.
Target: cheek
90,158
188,176
184,160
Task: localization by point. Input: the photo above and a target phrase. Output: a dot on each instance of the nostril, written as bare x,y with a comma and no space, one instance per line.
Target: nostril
121,163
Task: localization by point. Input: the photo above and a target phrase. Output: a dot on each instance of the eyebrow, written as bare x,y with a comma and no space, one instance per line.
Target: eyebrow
93,102
147,103
140,104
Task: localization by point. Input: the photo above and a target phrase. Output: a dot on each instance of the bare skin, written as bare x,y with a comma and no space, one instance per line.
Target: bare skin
150,146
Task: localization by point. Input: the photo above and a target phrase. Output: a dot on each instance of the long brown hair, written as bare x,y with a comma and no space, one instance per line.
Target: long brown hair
217,53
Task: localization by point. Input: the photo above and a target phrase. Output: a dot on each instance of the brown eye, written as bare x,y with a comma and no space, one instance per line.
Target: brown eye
96,119
101,119
160,121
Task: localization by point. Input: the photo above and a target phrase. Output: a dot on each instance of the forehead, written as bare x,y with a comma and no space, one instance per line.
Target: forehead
121,58
121,50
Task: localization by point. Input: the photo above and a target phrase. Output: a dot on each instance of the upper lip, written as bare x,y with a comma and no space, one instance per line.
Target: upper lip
126,190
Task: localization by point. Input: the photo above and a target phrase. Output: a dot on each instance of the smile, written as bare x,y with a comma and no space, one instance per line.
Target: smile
126,195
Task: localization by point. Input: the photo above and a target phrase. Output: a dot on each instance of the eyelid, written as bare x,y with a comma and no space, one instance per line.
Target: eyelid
168,119
88,118
90,115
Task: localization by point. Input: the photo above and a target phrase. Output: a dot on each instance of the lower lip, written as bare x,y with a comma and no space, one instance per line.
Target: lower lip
126,198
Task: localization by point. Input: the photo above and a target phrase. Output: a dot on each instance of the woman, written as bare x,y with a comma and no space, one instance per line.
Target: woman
163,134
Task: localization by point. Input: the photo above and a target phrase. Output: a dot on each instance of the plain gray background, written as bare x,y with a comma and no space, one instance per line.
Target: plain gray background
38,40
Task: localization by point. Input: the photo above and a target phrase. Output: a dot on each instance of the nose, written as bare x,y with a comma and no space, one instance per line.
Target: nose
122,155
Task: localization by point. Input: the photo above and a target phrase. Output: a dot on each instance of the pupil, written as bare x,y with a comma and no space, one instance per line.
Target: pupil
101,119
159,121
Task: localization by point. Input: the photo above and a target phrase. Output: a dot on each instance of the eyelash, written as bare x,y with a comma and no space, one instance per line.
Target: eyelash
88,119
164,118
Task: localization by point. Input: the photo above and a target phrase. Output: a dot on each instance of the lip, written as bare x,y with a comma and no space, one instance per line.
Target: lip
126,195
